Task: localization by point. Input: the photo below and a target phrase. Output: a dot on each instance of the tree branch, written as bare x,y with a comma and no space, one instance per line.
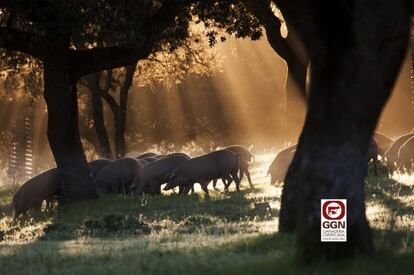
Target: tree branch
93,82
85,62
89,61
111,102
123,95
105,93
108,81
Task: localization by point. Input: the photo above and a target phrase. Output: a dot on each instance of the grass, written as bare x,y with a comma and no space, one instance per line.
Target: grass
227,234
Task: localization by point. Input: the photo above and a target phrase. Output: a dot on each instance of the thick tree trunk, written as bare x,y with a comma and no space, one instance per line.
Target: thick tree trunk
63,133
297,62
296,99
98,115
120,115
354,65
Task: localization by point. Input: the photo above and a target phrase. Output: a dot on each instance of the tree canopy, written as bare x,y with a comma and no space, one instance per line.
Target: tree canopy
106,34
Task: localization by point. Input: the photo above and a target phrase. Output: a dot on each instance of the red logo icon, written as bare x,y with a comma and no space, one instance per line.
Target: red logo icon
333,209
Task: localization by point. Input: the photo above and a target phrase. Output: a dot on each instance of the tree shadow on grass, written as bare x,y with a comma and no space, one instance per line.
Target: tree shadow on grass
394,252
390,193
137,258
116,216
264,254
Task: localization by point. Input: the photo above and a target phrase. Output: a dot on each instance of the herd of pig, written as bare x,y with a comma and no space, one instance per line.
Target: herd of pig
146,173
396,155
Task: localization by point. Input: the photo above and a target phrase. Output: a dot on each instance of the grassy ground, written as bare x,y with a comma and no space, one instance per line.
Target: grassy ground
227,234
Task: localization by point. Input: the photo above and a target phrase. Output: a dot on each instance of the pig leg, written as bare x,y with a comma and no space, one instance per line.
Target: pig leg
228,180
236,180
224,181
244,170
188,188
184,190
241,173
248,178
215,183
204,185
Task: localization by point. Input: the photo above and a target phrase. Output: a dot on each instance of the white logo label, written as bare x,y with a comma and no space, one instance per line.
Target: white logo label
333,220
